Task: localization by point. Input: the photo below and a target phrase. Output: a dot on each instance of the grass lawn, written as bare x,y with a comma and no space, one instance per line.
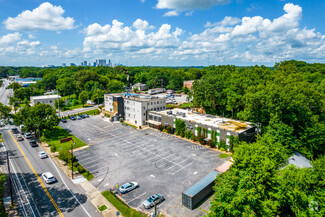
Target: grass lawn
130,125
121,206
186,105
170,106
224,155
90,112
53,138
88,175
102,208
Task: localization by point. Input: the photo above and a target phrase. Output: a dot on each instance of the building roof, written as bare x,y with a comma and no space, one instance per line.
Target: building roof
136,97
299,160
46,97
139,85
209,120
197,187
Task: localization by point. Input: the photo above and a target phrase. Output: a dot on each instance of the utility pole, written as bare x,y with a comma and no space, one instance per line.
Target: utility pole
72,160
10,183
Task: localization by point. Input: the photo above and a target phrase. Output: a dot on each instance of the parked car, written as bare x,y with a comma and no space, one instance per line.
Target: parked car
78,117
14,130
82,116
33,143
48,177
42,154
64,120
19,138
73,118
150,201
28,135
129,186
86,115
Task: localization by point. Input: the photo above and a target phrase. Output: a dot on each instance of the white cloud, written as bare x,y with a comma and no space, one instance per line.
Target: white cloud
9,38
173,13
142,25
189,4
28,44
189,13
227,21
44,17
30,36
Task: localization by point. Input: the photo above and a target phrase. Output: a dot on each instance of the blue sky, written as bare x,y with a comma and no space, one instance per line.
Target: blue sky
161,32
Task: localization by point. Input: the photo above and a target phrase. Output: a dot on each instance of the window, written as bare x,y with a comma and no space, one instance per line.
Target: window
50,101
157,102
135,122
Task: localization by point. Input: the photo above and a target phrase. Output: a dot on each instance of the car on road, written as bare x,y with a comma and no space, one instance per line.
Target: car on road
129,186
78,117
42,154
151,201
28,135
64,120
73,118
33,143
19,138
86,115
14,130
48,177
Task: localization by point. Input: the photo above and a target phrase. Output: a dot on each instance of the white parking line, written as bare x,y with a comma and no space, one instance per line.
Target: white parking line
158,155
182,168
177,164
93,165
82,159
136,198
89,162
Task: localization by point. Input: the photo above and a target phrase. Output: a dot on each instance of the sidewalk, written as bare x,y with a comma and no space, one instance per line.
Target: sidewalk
93,195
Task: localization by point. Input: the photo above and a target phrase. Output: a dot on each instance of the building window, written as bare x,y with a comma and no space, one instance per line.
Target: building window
50,101
157,102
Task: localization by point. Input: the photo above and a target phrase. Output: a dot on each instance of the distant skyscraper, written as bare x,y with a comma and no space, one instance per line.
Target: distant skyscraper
101,62
95,64
72,64
110,63
64,65
82,64
85,63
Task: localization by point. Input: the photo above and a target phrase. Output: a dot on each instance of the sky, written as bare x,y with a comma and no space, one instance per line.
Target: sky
161,32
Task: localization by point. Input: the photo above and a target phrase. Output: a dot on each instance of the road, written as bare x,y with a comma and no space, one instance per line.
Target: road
33,196
4,93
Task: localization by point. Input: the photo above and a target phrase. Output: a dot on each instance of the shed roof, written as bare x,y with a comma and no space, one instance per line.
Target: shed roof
299,160
197,187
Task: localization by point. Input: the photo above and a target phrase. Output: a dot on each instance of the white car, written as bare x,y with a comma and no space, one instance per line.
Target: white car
42,154
48,177
129,186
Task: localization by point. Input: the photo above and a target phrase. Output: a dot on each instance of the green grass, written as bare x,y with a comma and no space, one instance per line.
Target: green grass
224,155
1,137
170,106
121,206
102,208
90,112
130,125
53,138
186,105
88,175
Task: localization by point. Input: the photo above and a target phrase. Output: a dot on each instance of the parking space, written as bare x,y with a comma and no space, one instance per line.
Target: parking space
160,163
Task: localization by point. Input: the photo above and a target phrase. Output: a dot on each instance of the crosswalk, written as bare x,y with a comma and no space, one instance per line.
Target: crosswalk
162,135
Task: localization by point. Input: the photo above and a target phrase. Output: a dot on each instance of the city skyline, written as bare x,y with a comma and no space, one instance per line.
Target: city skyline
161,32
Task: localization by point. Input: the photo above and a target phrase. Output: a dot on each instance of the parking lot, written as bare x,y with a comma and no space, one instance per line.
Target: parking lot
160,163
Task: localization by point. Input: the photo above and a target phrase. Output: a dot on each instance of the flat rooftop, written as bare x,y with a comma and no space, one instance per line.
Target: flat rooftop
209,120
46,97
134,96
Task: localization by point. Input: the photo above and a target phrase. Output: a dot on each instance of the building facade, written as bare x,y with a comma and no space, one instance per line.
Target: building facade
188,84
140,86
133,107
223,127
47,99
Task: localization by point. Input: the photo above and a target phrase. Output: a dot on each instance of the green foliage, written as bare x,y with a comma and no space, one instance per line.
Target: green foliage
169,129
180,126
224,155
188,134
3,178
102,208
222,145
161,127
5,114
81,169
14,86
222,149
121,206
83,97
53,148
66,156
115,86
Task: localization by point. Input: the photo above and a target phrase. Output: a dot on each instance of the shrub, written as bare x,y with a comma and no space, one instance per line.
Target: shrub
161,127
178,92
75,164
53,148
222,149
223,144
182,133
65,155
212,143
193,137
188,134
169,129
164,130
74,102
81,169
121,120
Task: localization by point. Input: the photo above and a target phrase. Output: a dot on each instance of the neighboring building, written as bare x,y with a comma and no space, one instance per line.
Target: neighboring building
170,91
101,63
157,90
224,127
140,86
133,107
188,84
47,99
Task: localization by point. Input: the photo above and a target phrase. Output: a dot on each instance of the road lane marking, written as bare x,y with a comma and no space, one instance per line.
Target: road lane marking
38,178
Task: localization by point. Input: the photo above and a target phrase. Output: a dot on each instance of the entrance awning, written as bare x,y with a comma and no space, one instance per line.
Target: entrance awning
153,122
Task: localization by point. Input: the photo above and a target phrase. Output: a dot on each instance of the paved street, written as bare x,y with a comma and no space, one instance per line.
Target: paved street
4,93
31,195
76,111
159,162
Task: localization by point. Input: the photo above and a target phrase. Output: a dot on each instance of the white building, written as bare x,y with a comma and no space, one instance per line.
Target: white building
140,86
133,107
46,99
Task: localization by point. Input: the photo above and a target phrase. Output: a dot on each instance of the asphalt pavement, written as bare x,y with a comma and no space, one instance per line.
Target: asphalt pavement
32,195
4,93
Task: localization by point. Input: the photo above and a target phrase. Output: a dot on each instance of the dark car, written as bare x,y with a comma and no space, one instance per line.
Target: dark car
82,116
14,130
73,118
33,143
63,120
86,115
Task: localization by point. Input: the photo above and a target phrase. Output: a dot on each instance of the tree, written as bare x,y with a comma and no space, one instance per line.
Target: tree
115,86
65,86
37,118
14,86
14,102
98,96
180,126
5,115
83,97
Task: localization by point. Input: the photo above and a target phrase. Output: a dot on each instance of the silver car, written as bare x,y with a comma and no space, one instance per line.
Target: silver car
129,186
150,201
